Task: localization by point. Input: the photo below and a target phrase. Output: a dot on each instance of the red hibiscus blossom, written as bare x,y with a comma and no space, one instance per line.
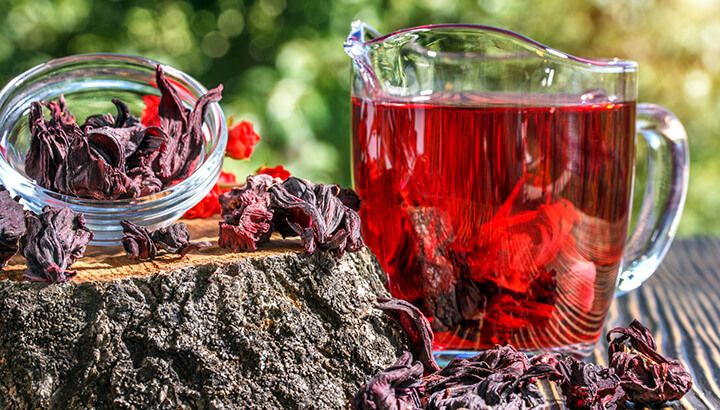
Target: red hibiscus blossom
150,117
275,172
516,247
210,205
241,140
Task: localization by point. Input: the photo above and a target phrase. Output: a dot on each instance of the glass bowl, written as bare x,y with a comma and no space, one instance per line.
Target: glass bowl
89,82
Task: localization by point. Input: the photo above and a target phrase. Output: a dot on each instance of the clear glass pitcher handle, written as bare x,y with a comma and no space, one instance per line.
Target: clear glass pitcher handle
665,191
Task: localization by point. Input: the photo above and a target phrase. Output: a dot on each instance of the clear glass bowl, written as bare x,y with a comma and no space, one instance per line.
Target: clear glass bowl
89,82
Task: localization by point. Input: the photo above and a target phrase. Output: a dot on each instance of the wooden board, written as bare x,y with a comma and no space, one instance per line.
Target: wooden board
107,263
681,305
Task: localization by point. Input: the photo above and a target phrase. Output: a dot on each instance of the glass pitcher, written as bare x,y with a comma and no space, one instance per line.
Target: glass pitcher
496,177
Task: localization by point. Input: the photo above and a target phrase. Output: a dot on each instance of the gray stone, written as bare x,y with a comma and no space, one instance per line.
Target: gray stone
280,331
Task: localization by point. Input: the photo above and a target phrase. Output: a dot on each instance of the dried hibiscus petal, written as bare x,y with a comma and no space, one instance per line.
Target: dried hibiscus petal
143,244
393,388
12,225
497,378
50,141
647,376
416,328
246,215
588,386
54,240
176,239
138,242
183,128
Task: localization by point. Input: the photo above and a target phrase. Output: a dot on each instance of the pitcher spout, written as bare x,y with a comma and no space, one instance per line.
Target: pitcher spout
355,47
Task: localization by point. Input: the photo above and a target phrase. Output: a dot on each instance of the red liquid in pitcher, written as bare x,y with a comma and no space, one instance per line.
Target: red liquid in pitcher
504,224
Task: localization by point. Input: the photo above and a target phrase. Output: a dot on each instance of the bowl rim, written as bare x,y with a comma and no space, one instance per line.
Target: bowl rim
214,109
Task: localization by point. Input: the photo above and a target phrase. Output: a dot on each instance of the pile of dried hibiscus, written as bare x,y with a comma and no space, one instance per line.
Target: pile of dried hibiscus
504,378
117,156
50,242
323,216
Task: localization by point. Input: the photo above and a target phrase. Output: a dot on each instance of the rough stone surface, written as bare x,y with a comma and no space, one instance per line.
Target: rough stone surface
284,331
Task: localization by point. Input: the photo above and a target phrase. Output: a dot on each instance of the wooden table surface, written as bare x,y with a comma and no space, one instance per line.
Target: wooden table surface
680,303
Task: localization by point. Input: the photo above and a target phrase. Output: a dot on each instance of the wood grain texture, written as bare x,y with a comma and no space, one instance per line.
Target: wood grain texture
680,303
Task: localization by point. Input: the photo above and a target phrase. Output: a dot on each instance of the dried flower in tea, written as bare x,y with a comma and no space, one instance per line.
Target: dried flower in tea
393,388
647,376
143,244
54,240
12,225
242,139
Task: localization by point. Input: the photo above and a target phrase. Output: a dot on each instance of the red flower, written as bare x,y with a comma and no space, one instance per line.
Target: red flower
150,117
275,172
210,205
241,140
515,248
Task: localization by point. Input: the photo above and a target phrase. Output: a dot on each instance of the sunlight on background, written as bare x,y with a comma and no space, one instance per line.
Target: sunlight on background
283,66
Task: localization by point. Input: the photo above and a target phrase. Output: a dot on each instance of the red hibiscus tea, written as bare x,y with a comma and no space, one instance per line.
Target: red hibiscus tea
503,223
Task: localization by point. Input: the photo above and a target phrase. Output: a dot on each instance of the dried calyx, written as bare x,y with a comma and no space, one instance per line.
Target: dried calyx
116,156
143,244
12,225
324,216
502,377
54,240
646,376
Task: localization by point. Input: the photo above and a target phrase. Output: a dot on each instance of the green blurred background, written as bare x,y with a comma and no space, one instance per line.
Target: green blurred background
283,65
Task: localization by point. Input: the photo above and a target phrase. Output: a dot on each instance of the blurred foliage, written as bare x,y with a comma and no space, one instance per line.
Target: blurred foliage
284,68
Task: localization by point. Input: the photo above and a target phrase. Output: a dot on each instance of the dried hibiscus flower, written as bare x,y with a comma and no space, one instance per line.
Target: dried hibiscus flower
12,225
416,328
246,215
316,214
504,378
143,244
393,388
499,377
294,207
117,156
54,240
647,376
242,139
586,386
